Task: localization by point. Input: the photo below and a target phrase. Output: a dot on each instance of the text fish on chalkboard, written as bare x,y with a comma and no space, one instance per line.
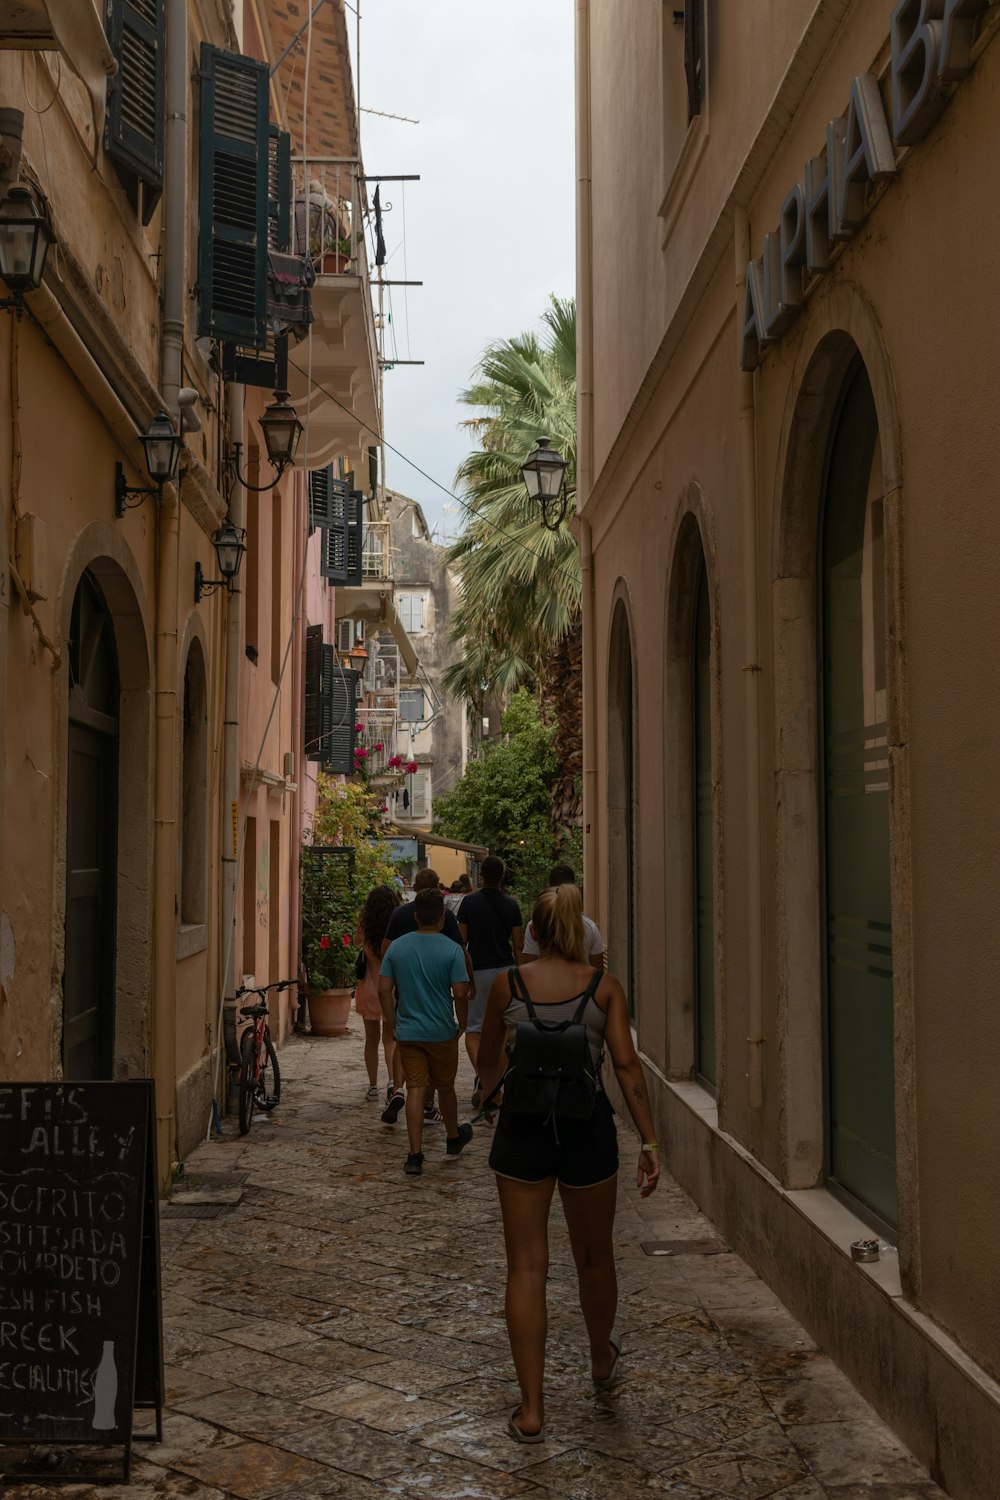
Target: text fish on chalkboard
72,1176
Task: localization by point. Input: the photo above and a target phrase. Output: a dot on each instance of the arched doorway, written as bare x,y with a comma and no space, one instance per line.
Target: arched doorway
89,978
621,805
861,1134
704,825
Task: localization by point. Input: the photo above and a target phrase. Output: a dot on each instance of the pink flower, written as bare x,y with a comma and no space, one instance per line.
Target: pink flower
359,729
345,941
361,754
324,941
394,761
411,767
378,745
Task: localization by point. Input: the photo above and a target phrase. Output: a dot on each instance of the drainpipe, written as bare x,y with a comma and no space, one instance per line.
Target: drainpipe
231,774
165,773
298,732
585,454
751,681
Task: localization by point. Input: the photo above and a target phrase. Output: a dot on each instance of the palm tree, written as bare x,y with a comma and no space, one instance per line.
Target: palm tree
520,582
519,617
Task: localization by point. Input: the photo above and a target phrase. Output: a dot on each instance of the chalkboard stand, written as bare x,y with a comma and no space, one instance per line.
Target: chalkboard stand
124,1105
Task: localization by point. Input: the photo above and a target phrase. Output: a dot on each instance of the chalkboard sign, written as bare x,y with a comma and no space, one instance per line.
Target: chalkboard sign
78,1256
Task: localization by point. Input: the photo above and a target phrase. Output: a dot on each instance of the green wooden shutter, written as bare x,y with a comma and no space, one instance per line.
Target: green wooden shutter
234,161
313,728
340,714
337,509
279,189
133,130
267,366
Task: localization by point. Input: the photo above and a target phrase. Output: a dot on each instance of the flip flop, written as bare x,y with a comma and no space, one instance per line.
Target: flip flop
519,1435
611,1378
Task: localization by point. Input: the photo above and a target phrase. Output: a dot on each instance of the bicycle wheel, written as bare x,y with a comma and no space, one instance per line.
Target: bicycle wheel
248,1057
268,1090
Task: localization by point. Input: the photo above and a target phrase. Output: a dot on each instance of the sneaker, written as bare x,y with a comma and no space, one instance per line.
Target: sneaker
388,1090
456,1145
414,1164
477,1093
432,1115
374,1092
391,1112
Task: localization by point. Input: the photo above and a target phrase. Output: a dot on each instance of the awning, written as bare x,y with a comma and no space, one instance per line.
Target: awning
75,27
425,837
376,608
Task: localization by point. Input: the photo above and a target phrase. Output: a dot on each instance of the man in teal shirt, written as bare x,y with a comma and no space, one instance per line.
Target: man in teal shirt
429,975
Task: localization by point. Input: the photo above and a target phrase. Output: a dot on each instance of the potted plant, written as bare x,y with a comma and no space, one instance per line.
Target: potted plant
329,913
338,258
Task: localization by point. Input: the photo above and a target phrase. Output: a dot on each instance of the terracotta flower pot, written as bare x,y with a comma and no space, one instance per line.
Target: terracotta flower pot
329,1012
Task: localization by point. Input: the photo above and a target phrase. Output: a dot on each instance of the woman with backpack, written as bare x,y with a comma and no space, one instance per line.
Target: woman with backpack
374,919
556,1127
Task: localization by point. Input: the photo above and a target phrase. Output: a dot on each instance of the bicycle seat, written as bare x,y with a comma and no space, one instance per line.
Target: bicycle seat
260,1009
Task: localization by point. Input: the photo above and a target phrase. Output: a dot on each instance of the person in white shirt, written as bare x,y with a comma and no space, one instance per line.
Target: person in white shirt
563,875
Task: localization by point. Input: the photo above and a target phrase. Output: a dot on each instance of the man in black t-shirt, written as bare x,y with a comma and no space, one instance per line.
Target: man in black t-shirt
490,921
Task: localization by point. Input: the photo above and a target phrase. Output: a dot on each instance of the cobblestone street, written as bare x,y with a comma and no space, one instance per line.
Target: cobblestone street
334,1328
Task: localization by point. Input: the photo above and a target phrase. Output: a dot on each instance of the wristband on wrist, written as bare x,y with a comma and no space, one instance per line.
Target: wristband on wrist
649,1146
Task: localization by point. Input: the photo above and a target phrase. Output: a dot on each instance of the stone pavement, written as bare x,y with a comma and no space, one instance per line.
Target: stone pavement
339,1332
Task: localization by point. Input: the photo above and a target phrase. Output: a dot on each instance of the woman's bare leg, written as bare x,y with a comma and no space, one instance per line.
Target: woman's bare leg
372,1029
525,1210
590,1218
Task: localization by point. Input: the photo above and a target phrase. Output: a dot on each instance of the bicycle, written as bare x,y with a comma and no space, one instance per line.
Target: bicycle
260,1076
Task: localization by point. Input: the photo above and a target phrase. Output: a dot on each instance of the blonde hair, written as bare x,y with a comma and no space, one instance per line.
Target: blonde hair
558,923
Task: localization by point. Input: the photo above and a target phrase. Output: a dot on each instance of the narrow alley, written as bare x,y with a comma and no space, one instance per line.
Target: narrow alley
335,1328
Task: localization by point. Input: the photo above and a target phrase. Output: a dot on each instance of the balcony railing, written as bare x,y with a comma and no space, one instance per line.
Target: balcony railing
377,736
376,551
325,196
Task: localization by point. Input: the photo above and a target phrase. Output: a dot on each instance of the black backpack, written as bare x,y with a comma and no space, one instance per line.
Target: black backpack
551,1073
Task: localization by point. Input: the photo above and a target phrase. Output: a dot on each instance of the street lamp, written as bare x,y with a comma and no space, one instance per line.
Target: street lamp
544,472
163,450
230,546
282,429
25,237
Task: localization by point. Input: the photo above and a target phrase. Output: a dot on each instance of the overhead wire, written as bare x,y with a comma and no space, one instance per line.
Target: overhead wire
478,514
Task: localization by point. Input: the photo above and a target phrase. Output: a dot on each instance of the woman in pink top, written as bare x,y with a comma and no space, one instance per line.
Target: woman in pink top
374,919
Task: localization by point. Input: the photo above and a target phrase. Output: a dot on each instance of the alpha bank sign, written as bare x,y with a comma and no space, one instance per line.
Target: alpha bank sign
931,51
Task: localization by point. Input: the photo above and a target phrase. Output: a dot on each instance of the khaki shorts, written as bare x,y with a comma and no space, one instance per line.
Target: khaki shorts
427,1063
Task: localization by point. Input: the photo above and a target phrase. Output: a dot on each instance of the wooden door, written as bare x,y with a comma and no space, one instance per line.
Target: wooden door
91,840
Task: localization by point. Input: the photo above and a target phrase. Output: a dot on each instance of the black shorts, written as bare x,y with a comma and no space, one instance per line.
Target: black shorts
586,1152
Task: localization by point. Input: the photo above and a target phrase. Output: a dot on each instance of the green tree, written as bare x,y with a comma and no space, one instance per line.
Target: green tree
504,800
520,582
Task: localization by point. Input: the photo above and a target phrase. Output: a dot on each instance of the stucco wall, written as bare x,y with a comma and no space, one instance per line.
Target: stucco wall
914,293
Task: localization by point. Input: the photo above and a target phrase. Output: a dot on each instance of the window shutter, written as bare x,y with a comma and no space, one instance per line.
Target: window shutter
133,130
418,802
694,54
232,251
336,508
313,729
340,715
279,189
345,635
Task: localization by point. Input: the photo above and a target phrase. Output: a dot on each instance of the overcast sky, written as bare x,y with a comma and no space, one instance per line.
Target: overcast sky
489,228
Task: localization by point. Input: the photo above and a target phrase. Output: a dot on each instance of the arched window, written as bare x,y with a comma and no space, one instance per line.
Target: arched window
858,921
703,841
89,978
194,793
621,806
